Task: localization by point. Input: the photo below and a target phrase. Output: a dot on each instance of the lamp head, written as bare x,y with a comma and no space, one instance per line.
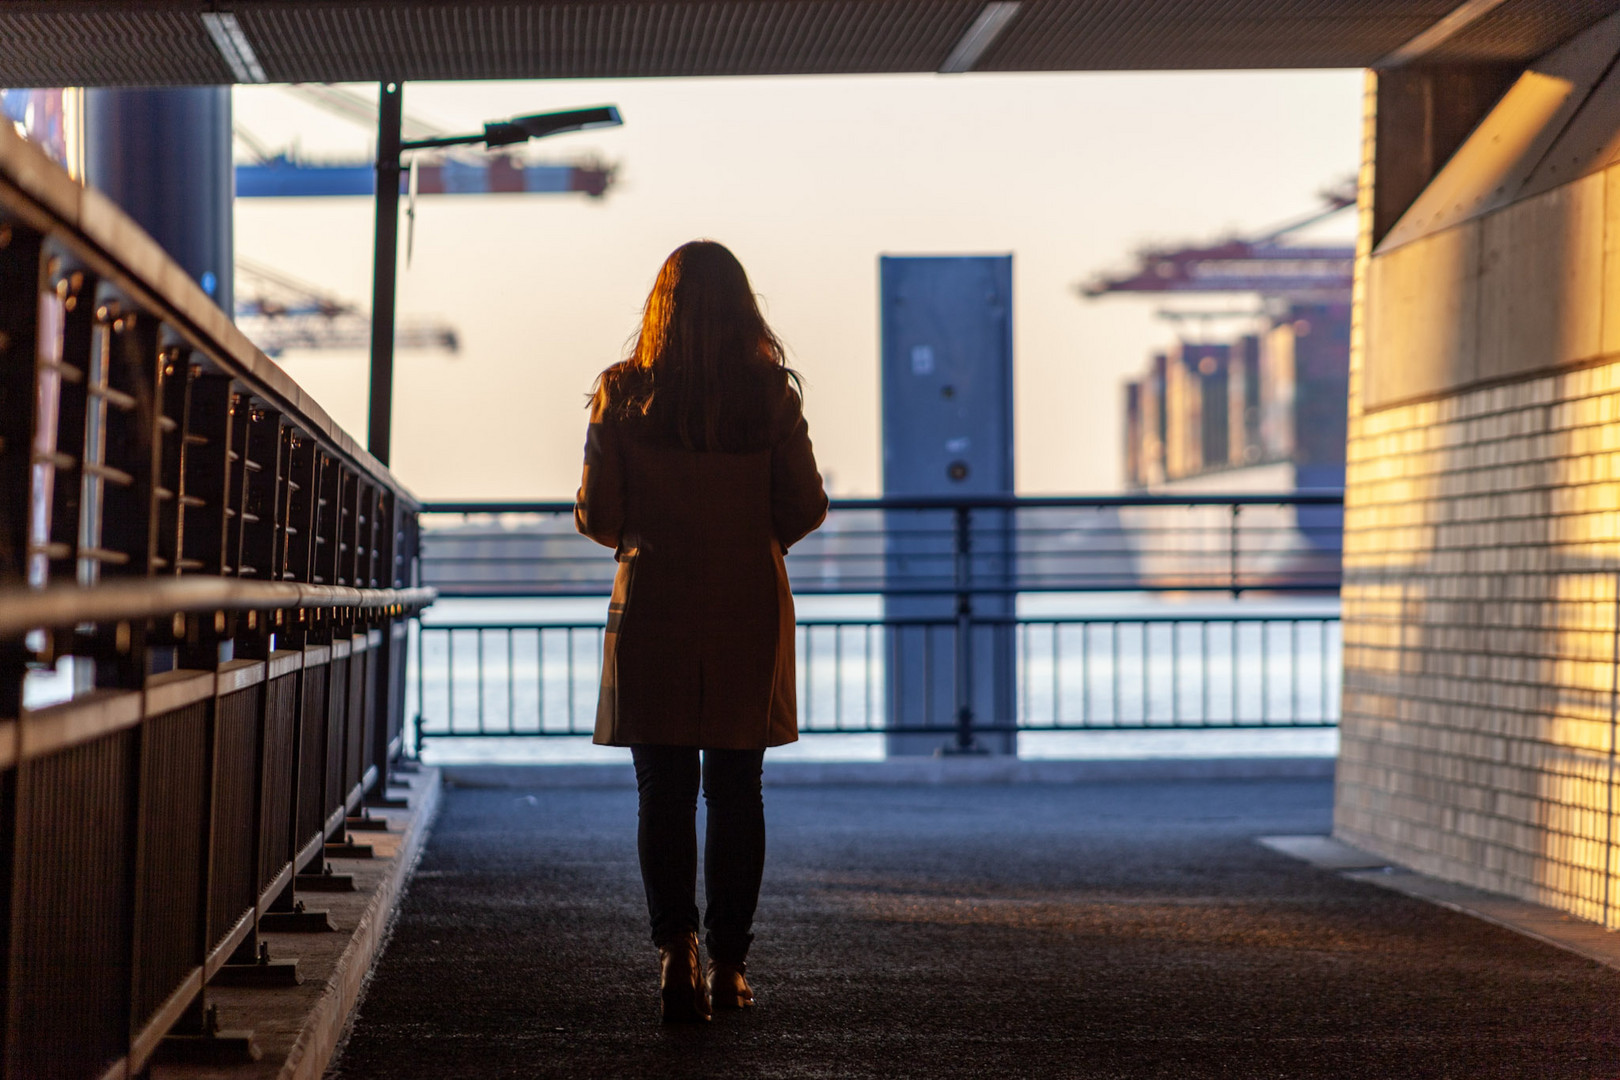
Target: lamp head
538,126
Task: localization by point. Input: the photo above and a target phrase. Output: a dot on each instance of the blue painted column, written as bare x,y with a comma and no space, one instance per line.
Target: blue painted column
947,357
164,155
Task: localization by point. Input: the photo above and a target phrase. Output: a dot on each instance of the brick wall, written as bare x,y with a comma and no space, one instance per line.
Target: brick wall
1482,550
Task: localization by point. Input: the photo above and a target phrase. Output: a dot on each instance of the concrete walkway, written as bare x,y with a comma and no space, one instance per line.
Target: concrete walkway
1087,930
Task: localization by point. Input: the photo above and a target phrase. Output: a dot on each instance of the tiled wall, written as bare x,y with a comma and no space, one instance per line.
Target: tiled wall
1482,552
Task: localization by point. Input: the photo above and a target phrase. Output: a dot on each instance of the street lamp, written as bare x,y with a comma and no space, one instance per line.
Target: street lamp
390,119
523,128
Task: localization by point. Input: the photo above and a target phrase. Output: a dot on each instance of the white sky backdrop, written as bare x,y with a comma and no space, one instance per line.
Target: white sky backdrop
808,180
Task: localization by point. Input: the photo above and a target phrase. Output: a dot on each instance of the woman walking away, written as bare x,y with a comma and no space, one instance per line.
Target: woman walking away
699,475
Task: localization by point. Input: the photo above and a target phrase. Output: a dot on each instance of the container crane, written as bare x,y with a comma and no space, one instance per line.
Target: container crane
1262,264
273,175
279,312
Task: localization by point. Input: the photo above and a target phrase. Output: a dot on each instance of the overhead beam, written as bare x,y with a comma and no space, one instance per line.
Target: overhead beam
1447,27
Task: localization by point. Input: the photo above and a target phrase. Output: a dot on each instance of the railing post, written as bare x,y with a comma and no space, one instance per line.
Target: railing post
1237,508
421,688
965,743
25,362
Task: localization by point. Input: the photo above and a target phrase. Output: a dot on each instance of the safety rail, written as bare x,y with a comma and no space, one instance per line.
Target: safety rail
205,592
1074,673
950,653
898,545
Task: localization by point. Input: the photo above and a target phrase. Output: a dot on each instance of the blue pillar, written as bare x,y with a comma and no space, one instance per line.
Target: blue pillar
947,355
164,155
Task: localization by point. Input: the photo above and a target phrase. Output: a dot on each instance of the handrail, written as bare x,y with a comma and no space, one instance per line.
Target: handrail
969,545
205,594
1304,497
23,610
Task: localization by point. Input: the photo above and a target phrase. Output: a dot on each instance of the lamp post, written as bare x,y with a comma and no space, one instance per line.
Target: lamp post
390,149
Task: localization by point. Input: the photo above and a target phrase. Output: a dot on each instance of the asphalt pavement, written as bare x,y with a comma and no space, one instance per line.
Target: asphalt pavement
1021,930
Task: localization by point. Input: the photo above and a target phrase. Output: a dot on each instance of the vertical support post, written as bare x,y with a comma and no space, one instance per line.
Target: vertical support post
1232,551
380,415
964,632
421,688
22,368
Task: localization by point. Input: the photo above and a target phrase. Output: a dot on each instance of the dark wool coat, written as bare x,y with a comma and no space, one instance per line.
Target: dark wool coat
699,648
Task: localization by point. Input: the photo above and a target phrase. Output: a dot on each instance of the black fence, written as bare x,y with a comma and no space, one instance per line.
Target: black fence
929,546
205,591
941,647
1098,673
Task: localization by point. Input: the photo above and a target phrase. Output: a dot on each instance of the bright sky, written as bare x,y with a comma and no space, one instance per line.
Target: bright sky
808,180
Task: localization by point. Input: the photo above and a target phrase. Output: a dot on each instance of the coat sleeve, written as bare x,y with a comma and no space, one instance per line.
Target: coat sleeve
798,501
599,505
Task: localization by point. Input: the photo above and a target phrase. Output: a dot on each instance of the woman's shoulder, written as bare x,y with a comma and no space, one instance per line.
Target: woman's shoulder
781,390
621,378
615,389
784,407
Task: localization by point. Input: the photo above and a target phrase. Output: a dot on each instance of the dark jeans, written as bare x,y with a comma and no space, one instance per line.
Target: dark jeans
667,778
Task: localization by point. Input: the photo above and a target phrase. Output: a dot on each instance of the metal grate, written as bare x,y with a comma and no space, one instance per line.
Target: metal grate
236,761
275,811
337,714
398,675
373,741
70,954
174,819
84,42
1183,34
354,766
94,46
426,41
1518,30
310,817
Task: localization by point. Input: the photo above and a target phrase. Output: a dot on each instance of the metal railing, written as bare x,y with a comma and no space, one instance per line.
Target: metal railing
949,653
205,592
1091,673
1001,544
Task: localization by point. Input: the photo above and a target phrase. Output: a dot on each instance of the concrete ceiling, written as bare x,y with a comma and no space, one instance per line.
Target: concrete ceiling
102,42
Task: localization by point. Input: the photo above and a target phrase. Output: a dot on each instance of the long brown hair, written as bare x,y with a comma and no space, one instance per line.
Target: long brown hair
705,369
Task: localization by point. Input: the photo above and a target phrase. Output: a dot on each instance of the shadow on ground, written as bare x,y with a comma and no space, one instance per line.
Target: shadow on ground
1104,930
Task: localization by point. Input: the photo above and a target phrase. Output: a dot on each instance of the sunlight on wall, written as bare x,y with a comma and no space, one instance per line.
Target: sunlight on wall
1482,506
1482,556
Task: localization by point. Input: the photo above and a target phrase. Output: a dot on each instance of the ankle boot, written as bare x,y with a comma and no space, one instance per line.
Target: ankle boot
680,981
728,985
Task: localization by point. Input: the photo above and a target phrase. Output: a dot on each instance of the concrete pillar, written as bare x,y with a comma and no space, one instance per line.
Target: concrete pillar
947,433
164,155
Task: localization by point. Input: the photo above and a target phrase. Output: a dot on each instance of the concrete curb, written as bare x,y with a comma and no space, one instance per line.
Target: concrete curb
324,1027
299,1027
916,771
1547,925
